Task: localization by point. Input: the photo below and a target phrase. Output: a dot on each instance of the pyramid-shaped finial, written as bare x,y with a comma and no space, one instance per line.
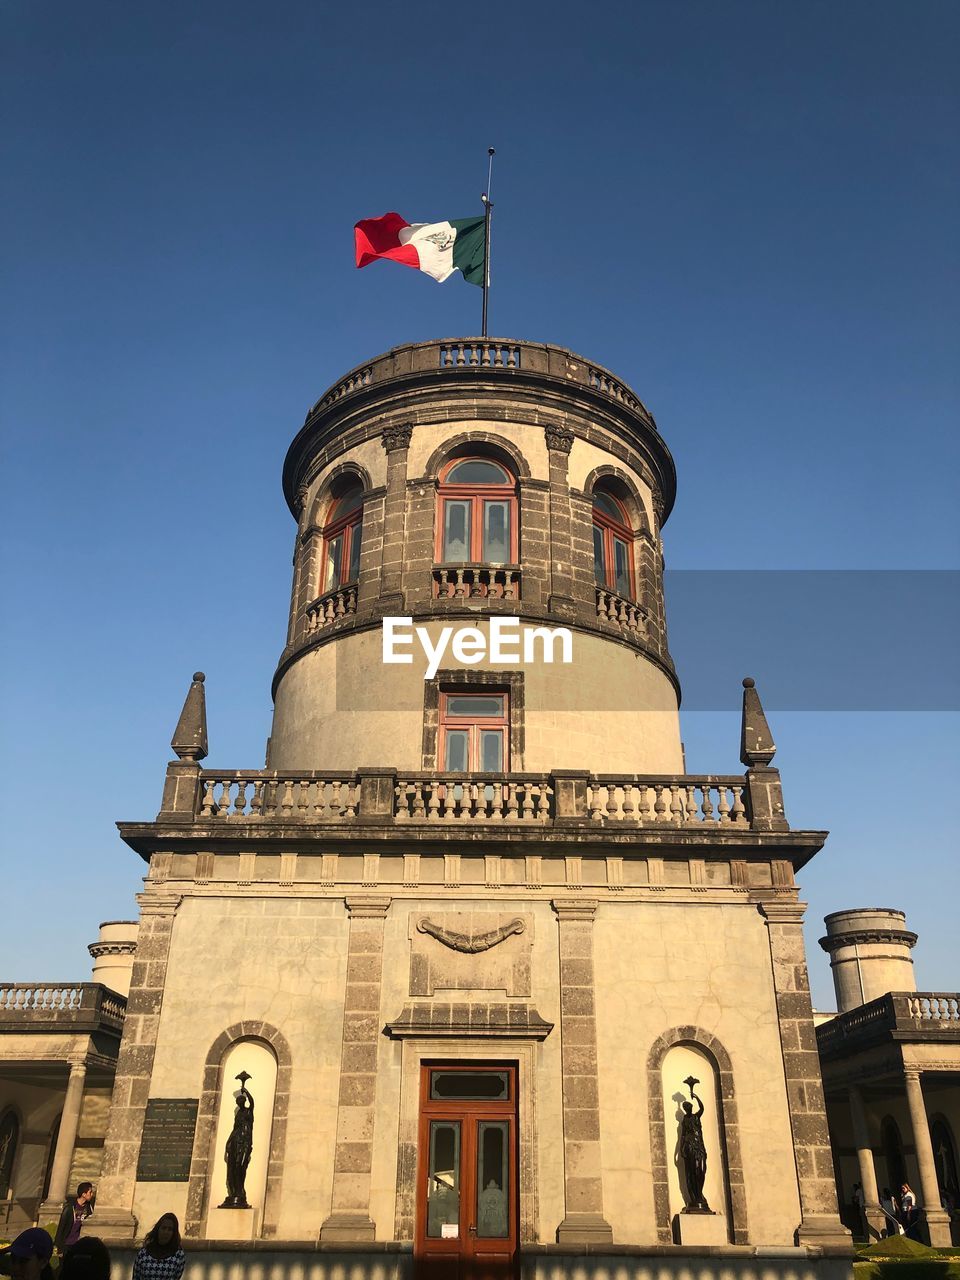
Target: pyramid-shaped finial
756,741
189,739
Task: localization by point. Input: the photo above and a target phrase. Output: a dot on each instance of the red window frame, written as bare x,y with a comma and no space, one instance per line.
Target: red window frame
350,525
611,529
476,494
473,723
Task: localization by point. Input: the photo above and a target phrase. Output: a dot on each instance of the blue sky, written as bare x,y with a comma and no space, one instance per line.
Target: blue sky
747,210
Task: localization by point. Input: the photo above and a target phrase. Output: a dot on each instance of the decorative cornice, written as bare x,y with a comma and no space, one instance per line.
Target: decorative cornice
396,437
853,937
502,1020
98,949
470,943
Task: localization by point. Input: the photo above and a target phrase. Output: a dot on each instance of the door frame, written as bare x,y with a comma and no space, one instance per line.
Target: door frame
416,1053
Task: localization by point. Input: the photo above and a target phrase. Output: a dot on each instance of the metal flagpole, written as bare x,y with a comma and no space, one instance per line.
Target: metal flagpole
487,214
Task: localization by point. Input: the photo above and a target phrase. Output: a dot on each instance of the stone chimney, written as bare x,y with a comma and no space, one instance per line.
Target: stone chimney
113,954
869,949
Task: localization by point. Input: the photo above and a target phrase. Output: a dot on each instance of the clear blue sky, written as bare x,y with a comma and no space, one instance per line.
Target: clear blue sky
748,210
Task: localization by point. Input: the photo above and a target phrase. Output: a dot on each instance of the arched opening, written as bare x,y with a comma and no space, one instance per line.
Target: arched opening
945,1159
51,1152
241,1145
892,1145
476,513
9,1142
613,536
342,536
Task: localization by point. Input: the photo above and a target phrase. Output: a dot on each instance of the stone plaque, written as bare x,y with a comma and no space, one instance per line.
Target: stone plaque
167,1143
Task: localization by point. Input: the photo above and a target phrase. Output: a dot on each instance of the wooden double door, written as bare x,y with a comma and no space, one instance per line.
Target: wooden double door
467,1191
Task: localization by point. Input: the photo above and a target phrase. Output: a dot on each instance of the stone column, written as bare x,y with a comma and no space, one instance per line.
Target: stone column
583,1220
396,443
819,1215
353,1157
936,1218
114,1218
868,1174
66,1140
559,444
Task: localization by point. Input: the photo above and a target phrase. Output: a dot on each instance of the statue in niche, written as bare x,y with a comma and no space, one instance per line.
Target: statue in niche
239,1147
693,1151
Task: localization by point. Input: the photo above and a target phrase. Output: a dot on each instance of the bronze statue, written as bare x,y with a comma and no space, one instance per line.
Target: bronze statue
693,1152
239,1147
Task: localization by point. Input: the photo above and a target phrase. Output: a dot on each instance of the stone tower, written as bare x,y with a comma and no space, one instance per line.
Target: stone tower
498,974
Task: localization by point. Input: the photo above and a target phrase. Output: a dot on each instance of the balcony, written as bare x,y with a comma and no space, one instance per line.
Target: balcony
691,802
476,582
51,1006
898,1015
331,607
621,612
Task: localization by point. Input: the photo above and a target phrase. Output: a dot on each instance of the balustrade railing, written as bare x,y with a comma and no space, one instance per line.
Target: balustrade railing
485,355
481,798
626,614
897,1011
50,1001
600,380
330,607
689,801
298,797
476,581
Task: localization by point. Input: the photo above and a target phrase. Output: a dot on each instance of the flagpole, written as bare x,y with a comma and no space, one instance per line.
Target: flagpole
487,214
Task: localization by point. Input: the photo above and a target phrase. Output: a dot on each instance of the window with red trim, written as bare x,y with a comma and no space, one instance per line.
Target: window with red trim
341,538
477,513
474,732
612,545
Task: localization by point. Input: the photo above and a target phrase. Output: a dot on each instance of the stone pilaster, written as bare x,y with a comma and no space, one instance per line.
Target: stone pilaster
114,1213
66,1141
936,1218
583,1220
349,1217
559,443
396,442
819,1215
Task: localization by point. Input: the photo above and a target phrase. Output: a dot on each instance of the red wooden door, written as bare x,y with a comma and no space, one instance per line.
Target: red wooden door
467,1193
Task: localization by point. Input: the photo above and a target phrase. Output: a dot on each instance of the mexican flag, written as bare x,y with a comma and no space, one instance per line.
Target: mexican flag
437,248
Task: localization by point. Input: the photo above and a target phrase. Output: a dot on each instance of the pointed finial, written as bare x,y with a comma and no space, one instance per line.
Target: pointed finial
189,739
756,742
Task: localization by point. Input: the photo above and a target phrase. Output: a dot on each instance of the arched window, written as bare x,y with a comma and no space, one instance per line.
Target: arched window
341,537
945,1159
612,545
892,1146
9,1138
477,514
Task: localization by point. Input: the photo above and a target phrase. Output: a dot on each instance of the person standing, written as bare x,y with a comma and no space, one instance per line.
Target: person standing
161,1257
71,1219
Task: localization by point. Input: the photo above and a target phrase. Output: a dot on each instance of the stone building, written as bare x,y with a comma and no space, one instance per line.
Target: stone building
58,1054
476,944
891,1070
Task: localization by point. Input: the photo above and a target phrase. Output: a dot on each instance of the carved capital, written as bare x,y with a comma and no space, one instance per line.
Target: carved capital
558,438
369,908
396,437
300,501
578,910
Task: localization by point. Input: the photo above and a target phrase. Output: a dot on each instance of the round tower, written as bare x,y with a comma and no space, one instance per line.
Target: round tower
478,486
869,949
113,954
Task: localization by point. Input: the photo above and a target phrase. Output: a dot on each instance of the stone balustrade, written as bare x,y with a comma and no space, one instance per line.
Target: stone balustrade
476,581
330,607
482,355
294,797
482,798
626,614
932,1014
54,1004
623,800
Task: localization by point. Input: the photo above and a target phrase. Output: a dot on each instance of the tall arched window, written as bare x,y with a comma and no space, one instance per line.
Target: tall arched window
612,545
9,1139
477,514
341,538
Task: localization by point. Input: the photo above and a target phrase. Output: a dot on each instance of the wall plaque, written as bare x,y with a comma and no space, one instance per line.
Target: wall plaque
167,1143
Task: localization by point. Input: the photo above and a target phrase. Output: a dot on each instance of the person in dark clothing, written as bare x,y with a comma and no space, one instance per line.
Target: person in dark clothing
28,1258
71,1219
88,1259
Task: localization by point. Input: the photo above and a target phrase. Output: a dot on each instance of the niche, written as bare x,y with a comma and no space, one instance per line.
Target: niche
257,1059
692,1226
